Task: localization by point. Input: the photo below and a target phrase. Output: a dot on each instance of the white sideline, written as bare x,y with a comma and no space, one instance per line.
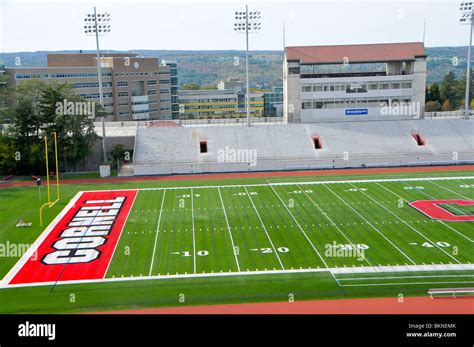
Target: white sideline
31,250
338,270
342,181
13,271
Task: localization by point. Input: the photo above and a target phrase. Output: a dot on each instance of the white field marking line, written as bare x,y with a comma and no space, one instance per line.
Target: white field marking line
299,226
330,220
415,179
366,269
400,277
431,196
120,236
335,278
442,222
194,236
452,191
157,231
264,228
372,226
399,284
32,249
412,228
228,228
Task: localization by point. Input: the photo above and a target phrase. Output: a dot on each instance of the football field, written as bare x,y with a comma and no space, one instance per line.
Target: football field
350,235
339,226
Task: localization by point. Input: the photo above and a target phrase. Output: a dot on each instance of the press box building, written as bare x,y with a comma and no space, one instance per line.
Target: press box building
354,82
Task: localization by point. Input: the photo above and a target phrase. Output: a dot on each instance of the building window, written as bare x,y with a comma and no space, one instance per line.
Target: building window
294,70
318,88
318,105
406,85
306,105
373,86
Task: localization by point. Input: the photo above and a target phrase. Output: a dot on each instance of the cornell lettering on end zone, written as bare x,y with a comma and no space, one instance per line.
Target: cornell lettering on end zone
86,232
81,244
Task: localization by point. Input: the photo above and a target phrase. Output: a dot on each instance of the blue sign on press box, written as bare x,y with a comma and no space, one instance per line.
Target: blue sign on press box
357,111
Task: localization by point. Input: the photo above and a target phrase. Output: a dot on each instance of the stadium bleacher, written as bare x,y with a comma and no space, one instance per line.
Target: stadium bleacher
171,150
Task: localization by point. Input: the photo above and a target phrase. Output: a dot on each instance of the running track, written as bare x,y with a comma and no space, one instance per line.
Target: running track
250,175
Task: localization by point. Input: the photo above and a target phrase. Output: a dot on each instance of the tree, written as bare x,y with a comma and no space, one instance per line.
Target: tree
190,86
7,156
432,92
448,89
460,90
432,106
36,115
447,106
74,128
118,152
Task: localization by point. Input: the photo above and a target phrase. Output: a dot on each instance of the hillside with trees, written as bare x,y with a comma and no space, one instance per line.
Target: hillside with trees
207,68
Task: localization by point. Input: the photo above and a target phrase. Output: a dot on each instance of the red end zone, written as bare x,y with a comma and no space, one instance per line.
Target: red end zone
432,209
81,244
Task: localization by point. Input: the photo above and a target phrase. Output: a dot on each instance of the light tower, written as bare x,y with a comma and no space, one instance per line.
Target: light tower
467,12
247,23
98,25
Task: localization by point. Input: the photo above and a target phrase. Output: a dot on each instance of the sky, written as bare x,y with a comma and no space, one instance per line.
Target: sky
195,25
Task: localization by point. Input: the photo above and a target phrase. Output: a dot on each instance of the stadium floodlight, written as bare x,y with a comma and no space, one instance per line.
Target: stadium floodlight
98,25
247,23
467,12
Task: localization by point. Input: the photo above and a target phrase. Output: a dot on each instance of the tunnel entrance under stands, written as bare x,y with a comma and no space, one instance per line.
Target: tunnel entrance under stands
317,142
203,146
420,141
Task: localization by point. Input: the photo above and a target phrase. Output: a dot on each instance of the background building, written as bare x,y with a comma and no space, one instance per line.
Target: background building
334,83
133,87
217,103
172,66
232,84
273,102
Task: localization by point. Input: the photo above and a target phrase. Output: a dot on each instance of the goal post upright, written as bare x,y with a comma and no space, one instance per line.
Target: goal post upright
50,203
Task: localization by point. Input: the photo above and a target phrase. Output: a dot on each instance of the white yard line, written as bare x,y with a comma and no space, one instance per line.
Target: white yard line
442,222
194,236
32,249
264,228
228,228
371,225
412,228
120,236
299,226
449,190
339,270
157,232
330,220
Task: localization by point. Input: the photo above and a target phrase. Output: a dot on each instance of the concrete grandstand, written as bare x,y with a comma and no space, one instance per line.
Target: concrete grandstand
177,150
